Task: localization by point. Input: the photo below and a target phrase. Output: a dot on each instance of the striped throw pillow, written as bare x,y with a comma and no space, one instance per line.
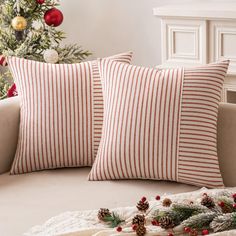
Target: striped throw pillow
160,124
61,113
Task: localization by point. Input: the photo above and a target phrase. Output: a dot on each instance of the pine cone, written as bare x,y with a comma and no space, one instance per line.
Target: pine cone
138,220
142,206
141,230
102,213
226,209
166,202
166,222
208,202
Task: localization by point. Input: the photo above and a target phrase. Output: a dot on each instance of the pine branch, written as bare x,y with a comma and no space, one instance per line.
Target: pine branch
72,54
113,220
227,204
200,221
187,210
5,84
35,39
224,222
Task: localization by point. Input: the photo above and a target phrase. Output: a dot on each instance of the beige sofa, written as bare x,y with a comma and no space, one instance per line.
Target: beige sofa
30,199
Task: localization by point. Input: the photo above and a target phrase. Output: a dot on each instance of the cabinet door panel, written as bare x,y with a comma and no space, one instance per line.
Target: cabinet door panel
184,42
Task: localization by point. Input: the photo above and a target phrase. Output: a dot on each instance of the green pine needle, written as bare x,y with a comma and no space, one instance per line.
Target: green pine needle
224,222
37,37
114,220
187,210
200,221
5,84
228,203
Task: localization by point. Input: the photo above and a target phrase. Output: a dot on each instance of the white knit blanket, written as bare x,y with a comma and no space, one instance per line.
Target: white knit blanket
85,223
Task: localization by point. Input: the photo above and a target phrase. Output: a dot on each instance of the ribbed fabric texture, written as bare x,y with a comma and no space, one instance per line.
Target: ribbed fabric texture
160,124
61,113
198,160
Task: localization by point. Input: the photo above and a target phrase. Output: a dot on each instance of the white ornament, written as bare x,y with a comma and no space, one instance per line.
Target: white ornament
51,56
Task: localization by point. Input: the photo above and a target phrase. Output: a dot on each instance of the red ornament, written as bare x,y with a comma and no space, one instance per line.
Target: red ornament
170,234
119,229
134,227
234,205
205,232
143,199
187,229
158,197
221,204
40,1
12,92
3,61
53,17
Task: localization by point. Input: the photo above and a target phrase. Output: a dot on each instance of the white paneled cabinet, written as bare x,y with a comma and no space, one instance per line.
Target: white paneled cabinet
201,33
223,42
183,42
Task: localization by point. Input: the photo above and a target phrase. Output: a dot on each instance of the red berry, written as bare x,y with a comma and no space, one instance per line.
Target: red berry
234,205
155,222
143,199
234,195
40,1
170,234
119,229
205,232
158,197
187,229
134,227
221,204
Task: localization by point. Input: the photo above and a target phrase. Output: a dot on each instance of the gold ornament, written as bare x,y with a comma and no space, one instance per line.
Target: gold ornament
19,23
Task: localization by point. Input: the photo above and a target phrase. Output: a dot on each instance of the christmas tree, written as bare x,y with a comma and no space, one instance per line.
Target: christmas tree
28,30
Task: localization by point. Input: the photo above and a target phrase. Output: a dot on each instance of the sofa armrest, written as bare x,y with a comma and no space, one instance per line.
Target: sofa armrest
227,142
9,127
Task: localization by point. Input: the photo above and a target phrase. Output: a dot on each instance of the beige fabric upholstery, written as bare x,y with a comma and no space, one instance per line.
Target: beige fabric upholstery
9,126
27,200
227,143
30,199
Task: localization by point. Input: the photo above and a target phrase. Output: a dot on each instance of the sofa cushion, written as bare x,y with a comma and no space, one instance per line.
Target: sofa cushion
160,124
61,113
41,195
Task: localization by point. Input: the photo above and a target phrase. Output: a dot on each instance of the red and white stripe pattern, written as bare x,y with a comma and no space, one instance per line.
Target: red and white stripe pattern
58,114
98,99
198,160
149,118
140,123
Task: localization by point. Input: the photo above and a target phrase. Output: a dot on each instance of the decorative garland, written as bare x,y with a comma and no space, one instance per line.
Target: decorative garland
203,217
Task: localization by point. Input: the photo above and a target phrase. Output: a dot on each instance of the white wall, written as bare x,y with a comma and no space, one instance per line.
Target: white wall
106,27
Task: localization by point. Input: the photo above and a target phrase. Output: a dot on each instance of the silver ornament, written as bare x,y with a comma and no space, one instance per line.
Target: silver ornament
51,56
